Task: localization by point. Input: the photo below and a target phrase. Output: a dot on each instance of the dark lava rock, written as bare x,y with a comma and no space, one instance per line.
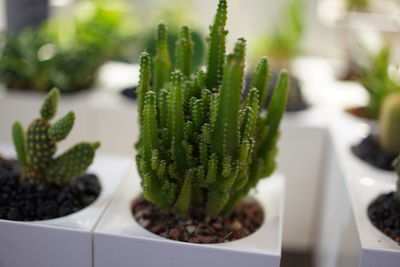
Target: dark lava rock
384,213
369,151
296,101
197,227
22,201
130,92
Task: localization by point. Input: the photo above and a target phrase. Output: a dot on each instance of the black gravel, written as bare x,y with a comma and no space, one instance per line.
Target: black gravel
22,201
384,213
296,101
130,92
369,151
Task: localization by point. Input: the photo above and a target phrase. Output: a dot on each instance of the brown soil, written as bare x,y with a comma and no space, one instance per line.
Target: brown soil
360,112
197,227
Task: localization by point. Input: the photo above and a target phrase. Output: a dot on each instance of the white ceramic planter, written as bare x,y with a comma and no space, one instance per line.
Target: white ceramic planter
119,241
347,237
301,156
302,164
65,241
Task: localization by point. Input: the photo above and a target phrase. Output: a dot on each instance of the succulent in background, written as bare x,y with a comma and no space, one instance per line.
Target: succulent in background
201,143
378,81
67,52
167,13
357,5
284,42
282,45
389,135
36,148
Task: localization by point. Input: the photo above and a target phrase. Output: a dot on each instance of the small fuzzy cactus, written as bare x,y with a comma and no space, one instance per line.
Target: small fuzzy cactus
202,143
36,149
389,135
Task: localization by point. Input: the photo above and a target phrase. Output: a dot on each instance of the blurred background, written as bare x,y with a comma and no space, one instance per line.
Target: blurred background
89,49
56,33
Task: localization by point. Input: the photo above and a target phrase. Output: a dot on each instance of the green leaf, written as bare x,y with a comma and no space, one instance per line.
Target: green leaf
60,130
18,135
162,63
216,202
275,111
144,81
226,132
216,52
260,81
183,203
73,162
176,119
49,107
184,52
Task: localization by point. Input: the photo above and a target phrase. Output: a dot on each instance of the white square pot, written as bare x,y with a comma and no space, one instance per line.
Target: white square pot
301,159
347,237
64,241
301,155
120,242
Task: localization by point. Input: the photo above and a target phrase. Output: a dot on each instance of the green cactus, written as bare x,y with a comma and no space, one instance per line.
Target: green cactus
389,134
202,143
378,81
36,149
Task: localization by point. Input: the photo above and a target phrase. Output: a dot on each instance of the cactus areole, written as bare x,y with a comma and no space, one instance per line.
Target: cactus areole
36,148
202,143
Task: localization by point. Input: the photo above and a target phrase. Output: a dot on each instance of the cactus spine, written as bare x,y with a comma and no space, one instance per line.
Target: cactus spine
36,148
389,136
201,142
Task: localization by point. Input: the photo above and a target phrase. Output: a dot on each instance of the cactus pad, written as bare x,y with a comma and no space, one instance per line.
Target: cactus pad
36,151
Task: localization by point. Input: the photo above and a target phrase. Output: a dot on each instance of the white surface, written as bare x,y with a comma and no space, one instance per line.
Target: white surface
65,241
119,241
302,164
101,114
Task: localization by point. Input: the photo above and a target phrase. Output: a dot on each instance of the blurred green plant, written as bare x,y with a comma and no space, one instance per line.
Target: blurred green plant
168,15
357,5
284,42
36,148
378,80
201,143
66,52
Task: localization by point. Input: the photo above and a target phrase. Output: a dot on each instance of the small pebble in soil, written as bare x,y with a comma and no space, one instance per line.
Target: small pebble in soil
130,92
22,201
197,227
384,213
369,151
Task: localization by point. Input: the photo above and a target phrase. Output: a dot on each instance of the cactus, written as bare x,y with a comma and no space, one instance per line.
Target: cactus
378,80
36,149
389,134
202,143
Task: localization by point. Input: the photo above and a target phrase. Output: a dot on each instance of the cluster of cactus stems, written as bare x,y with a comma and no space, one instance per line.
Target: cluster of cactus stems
36,148
202,143
389,135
